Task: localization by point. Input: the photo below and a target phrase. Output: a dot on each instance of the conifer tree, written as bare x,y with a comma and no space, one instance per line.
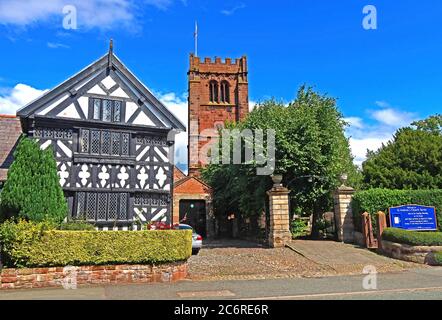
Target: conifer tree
32,190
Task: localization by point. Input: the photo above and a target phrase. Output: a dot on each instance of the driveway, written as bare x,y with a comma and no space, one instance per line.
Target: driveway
243,260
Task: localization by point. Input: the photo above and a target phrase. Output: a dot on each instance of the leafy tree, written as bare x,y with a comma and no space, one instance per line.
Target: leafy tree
432,124
412,160
32,190
311,153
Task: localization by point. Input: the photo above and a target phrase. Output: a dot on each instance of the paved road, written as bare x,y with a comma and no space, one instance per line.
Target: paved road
413,284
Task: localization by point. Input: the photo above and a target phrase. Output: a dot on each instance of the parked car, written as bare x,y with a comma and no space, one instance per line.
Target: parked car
197,240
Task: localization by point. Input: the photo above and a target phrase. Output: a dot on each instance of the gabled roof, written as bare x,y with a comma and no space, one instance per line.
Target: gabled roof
108,64
10,132
178,174
191,184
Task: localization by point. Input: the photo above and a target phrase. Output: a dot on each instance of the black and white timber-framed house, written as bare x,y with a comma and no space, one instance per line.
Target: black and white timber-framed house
113,142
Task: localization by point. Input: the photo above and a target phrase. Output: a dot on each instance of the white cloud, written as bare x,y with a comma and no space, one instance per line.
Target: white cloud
370,136
252,105
359,147
53,45
229,12
355,122
394,117
13,99
383,104
178,106
102,14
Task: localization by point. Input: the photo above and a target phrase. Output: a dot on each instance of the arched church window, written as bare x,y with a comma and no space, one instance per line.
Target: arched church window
225,92
213,86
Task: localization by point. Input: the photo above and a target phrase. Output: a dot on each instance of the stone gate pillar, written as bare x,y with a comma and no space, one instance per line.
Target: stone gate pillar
344,214
279,233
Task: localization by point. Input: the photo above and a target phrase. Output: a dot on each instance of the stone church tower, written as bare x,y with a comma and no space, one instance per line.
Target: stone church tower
218,91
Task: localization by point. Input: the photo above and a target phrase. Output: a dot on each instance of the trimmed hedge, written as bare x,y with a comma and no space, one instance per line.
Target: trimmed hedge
438,258
375,200
27,244
412,238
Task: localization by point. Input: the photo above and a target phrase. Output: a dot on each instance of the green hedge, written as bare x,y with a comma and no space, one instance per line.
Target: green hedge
375,200
412,238
438,258
27,244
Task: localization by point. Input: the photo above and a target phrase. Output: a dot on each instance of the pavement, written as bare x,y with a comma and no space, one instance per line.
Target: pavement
242,260
232,269
418,284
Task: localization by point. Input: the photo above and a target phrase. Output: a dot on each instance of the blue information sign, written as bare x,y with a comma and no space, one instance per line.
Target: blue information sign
412,217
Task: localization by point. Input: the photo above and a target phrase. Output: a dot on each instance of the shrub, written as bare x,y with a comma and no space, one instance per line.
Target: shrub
299,228
27,244
413,238
32,190
76,226
438,258
375,200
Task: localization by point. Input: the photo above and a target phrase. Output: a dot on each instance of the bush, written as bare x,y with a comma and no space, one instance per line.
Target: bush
438,258
412,238
375,200
76,226
299,228
27,244
32,190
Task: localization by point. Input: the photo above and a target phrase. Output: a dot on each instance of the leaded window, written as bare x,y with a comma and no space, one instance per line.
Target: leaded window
116,137
148,199
84,141
95,142
91,205
122,212
125,140
107,110
97,109
81,202
102,206
103,142
117,111
113,206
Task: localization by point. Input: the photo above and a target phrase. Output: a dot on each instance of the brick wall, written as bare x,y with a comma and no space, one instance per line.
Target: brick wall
87,275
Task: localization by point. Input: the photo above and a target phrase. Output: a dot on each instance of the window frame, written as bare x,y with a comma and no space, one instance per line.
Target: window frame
213,91
101,105
86,133
83,213
225,91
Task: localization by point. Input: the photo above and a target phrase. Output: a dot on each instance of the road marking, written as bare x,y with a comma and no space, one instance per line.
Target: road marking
205,294
324,295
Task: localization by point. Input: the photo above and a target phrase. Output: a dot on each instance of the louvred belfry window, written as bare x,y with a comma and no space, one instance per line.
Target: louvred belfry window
225,92
213,87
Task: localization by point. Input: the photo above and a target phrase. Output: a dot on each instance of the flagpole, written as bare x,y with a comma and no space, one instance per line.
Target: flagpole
196,39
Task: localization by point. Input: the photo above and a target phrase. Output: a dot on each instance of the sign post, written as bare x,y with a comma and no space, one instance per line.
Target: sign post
413,218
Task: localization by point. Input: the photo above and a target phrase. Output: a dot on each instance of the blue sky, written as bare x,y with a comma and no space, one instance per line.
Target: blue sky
383,78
